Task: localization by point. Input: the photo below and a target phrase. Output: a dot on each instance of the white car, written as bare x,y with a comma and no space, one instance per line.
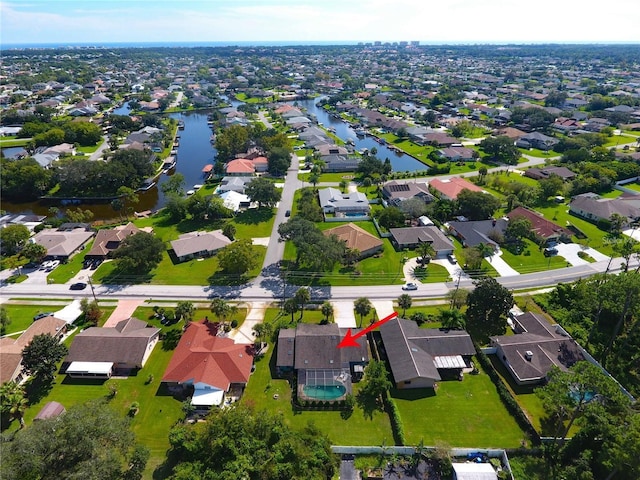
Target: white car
452,258
53,265
410,286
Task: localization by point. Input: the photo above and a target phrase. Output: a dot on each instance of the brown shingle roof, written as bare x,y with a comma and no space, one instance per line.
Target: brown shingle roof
355,237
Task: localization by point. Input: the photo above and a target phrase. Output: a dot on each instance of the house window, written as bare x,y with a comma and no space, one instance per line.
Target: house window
407,382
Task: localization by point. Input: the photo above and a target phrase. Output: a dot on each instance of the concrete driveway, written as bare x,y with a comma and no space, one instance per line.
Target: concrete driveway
343,314
500,266
255,315
570,252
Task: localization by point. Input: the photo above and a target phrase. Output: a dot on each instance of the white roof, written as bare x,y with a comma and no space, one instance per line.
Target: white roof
474,471
95,368
207,397
232,199
70,313
449,361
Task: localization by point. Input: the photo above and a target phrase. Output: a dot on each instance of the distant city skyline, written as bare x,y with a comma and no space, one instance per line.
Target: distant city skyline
317,21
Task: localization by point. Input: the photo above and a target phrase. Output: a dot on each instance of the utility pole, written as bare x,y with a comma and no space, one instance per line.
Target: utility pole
93,292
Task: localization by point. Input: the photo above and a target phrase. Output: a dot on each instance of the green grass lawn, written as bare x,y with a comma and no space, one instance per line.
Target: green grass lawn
359,429
535,261
336,177
461,414
254,223
66,271
147,314
631,186
22,315
616,140
14,142
534,152
158,410
90,149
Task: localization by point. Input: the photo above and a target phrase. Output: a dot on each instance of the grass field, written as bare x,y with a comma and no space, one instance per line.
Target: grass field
22,315
66,271
461,414
532,259
264,391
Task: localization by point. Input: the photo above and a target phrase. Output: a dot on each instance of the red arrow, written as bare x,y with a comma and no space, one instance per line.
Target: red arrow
350,340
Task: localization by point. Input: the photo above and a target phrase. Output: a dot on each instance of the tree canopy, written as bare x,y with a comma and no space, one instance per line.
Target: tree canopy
502,149
240,442
487,307
238,257
13,238
41,356
24,179
477,205
139,253
263,191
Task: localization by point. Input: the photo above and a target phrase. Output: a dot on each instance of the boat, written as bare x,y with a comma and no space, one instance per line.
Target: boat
147,185
190,192
360,132
180,124
350,141
197,186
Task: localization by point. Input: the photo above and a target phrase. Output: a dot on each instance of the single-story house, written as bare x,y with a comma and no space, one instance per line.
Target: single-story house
330,149
439,139
419,357
233,184
356,237
473,233
536,347
99,352
333,200
50,410
28,220
234,201
109,239
199,244
458,154
592,207
543,173
396,192
449,189
213,366
536,140
62,244
540,226
261,164
240,167
411,237
311,353
11,348
340,163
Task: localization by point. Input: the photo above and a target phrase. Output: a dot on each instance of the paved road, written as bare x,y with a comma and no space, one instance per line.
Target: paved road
104,146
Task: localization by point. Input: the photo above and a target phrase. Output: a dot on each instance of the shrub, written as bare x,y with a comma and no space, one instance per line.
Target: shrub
234,323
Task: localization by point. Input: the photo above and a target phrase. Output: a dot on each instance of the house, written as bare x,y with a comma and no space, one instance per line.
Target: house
99,352
234,201
411,237
11,348
108,240
459,154
261,164
396,192
595,208
536,347
213,366
199,244
240,167
473,233
233,184
333,200
310,353
28,220
449,189
63,243
50,410
543,173
439,139
536,140
357,238
542,228
420,357
340,163
330,149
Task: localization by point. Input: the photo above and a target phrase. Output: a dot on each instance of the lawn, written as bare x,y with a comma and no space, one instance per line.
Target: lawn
14,142
158,410
148,315
616,140
631,186
461,414
359,429
534,152
336,177
66,271
532,259
254,223
90,149
22,315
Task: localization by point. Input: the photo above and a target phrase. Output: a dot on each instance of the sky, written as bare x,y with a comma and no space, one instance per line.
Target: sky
306,21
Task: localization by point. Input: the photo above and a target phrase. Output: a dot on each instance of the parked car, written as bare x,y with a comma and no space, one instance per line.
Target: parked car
78,286
53,265
95,263
42,315
287,213
549,251
452,258
87,263
46,265
410,286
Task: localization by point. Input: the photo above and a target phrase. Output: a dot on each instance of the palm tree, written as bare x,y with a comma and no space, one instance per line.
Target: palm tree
314,178
327,311
362,306
290,306
484,249
13,401
404,302
366,183
454,319
343,185
302,297
223,309
426,251
185,310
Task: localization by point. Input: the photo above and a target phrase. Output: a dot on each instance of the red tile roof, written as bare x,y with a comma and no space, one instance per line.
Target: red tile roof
452,187
539,225
240,165
203,357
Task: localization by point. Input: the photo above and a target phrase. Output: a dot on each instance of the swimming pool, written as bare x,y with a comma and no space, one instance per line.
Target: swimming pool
324,392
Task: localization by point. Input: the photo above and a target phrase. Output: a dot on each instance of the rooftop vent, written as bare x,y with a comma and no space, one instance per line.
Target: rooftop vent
528,355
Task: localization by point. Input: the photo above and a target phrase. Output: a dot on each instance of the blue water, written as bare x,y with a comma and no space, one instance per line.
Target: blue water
324,392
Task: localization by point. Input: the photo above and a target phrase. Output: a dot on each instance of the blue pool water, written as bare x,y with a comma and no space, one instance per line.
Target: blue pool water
324,392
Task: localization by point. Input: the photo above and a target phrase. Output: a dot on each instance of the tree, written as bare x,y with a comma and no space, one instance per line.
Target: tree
453,319
457,297
426,251
229,231
362,306
518,228
129,198
501,149
263,331
314,178
232,140
13,401
376,380
343,185
404,302
366,183
477,205
263,191
327,311
238,258
139,253
174,184
88,441
33,252
223,309
13,238
5,321
302,297
176,207
23,180
279,160
413,207
291,306
77,215
550,187
391,217
91,311
487,307
185,311
40,357
243,443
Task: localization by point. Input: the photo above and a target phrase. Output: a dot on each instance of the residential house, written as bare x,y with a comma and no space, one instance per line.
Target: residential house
396,192
595,208
357,238
330,149
474,471
261,164
473,233
11,348
213,366
334,201
411,237
233,184
439,139
449,189
30,221
420,357
61,244
536,140
198,244
311,353
240,167
340,163
108,240
536,347
543,173
235,201
541,227
99,352
459,154
510,132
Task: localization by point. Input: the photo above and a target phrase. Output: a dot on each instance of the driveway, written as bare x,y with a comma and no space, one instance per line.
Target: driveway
383,308
343,314
570,252
123,311
500,266
255,315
